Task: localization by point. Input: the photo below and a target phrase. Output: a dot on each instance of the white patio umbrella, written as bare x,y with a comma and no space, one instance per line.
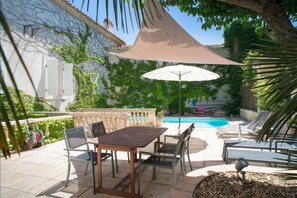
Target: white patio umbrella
181,73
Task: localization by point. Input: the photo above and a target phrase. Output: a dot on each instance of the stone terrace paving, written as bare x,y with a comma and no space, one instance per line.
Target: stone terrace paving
42,172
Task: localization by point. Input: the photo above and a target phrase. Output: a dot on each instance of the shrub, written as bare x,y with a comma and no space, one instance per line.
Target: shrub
55,127
31,104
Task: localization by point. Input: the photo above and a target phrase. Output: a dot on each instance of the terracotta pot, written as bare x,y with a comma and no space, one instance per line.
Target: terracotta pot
159,122
292,131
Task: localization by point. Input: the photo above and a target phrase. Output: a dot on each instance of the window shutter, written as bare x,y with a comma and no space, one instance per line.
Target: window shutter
68,79
51,78
60,78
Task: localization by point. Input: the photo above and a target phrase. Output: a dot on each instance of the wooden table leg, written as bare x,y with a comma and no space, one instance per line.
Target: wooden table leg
99,168
135,155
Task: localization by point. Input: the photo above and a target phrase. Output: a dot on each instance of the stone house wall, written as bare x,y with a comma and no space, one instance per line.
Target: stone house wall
52,77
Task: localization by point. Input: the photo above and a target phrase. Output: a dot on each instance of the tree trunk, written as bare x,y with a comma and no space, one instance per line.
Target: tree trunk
236,49
272,13
277,19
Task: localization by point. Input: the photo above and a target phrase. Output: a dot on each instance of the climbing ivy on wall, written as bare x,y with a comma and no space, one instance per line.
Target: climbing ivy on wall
77,53
240,40
128,89
87,90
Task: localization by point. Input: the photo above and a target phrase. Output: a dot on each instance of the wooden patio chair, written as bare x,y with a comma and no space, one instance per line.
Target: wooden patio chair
168,161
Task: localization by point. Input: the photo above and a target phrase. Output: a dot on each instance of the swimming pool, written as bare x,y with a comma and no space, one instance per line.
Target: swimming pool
200,122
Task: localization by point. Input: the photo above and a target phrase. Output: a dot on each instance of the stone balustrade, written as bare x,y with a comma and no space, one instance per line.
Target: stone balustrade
137,116
112,120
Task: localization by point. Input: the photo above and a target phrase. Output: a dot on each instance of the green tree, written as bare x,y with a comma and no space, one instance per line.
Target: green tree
128,89
275,15
240,40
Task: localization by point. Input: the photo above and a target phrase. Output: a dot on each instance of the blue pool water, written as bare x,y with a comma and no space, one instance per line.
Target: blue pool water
200,122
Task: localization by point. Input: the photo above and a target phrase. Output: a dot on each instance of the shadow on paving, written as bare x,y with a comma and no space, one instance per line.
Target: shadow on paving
196,144
60,190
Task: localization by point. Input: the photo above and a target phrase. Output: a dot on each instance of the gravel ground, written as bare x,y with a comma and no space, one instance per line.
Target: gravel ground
257,185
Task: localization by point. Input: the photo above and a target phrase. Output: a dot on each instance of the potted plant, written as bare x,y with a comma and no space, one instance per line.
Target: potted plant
293,126
159,118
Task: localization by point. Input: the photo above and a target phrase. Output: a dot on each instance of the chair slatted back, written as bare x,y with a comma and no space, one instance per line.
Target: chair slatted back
181,142
191,128
75,137
188,136
259,121
186,140
97,129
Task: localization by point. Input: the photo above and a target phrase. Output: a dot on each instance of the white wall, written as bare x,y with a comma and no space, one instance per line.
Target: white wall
51,76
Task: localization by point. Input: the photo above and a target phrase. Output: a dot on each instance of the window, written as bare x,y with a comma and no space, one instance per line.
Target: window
59,80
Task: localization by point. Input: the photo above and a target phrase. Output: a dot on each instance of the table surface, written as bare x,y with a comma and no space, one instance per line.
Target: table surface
135,137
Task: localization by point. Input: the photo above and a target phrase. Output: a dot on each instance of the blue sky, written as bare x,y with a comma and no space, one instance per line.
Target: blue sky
189,23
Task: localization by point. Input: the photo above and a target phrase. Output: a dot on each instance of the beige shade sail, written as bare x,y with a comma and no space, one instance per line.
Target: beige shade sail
163,39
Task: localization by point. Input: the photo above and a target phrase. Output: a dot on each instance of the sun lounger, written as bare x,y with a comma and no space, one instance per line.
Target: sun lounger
266,157
279,145
252,127
258,123
200,110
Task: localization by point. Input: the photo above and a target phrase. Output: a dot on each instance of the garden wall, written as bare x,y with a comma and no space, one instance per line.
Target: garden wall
248,114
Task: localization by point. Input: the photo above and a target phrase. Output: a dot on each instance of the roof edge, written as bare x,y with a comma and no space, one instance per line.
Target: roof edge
64,4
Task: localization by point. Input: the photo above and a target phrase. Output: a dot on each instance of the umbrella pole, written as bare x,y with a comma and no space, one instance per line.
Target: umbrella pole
179,107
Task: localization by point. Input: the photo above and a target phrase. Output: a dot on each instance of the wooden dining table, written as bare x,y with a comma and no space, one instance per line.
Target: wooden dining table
126,139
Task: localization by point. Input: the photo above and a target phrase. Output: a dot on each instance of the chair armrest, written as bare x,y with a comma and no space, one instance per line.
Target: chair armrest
172,136
91,153
164,143
286,140
169,156
145,153
81,150
292,153
157,144
279,142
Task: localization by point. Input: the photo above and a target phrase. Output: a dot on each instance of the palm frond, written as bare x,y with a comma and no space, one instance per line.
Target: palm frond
119,7
276,66
4,144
